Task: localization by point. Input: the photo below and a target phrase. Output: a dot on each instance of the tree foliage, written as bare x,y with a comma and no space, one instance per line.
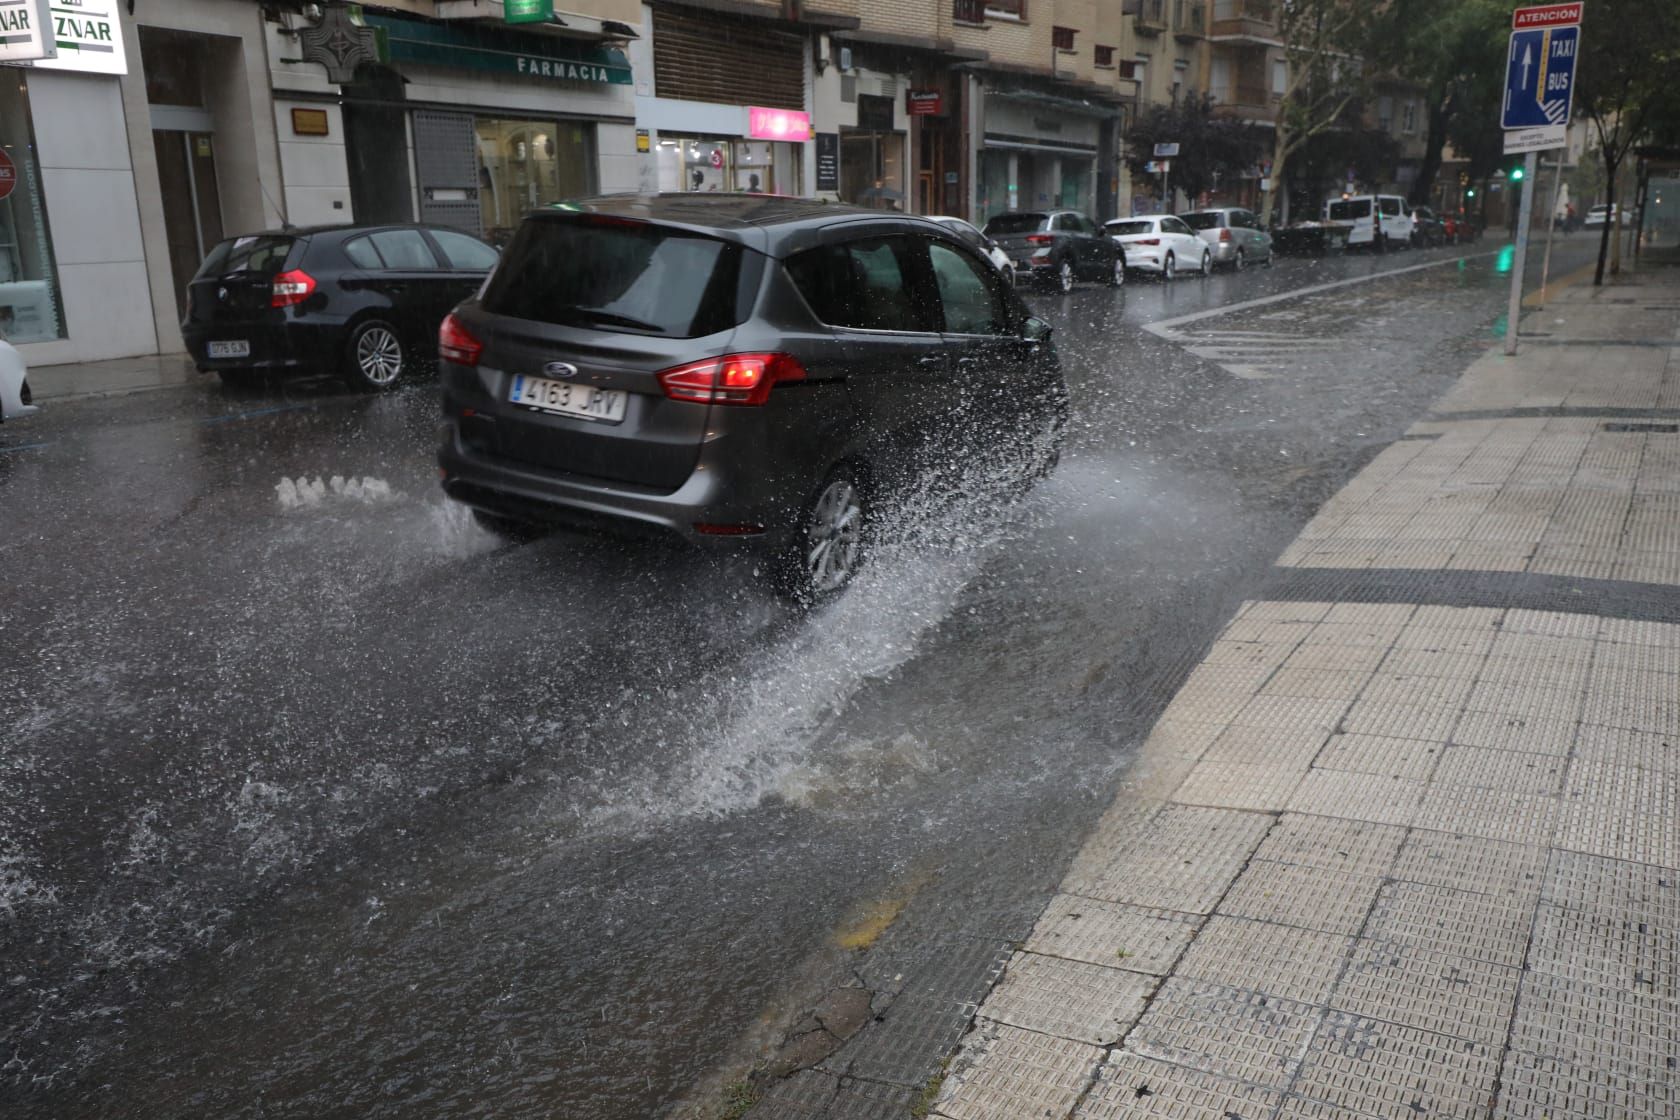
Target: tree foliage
1211,148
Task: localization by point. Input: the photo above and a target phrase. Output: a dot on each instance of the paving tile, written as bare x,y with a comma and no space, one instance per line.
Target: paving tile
1516,818
1396,1072
1232,1032
1111,933
1516,771
1550,624
1378,754
1532,1086
1183,738
1616,949
1445,639
1471,863
1399,688
1354,847
1484,927
1369,797
1613,886
1401,721
1005,1073
1534,672
907,1044
1546,702
1458,618
1132,1087
1616,1030
1227,678
1225,652
1236,785
1510,731
1285,747
1346,658
1639,632
1285,610
803,1095
1291,712
1657,713
1441,992
1379,635
1434,663
1279,960
1627,812
1184,859
858,1099
1370,614
1069,999
1302,895
1317,684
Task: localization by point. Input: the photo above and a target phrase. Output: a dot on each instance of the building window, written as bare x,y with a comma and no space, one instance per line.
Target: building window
1104,56
1408,117
698,163
526,164
1007,9
29,307
1131,71
1385,113
1062,37
1280,77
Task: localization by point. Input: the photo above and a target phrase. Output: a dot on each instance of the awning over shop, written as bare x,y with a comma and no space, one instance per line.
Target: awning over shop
474,46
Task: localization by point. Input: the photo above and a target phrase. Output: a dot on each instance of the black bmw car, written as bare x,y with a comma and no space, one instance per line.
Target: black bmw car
361,301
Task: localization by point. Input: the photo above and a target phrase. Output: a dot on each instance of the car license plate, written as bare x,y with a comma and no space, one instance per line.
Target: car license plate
567,398
232,348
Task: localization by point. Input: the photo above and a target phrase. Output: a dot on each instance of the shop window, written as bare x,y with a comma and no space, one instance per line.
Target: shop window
1104,56
872,169
29,306
1062,38
525,164
695,163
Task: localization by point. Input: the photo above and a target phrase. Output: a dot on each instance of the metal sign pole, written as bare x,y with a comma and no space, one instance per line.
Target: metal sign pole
1551,225
1524,214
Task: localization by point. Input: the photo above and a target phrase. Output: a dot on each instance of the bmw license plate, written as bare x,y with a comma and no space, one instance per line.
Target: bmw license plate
567,398
230,348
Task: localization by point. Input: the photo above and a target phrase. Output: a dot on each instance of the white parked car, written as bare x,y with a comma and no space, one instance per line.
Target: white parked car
1160,243
1599,214
1369,216
14,384
980,241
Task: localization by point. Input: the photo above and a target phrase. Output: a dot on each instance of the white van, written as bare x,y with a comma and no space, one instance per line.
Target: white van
1365,216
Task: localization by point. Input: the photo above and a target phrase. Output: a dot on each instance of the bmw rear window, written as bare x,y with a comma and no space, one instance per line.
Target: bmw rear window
265,255
1006,225
617,274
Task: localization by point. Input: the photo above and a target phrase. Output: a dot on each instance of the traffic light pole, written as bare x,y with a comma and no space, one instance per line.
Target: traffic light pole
1524,215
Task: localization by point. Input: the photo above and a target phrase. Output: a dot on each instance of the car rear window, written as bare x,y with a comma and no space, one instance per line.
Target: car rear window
1127,229
620,275
1004,225
1346,209
1204,220
266,255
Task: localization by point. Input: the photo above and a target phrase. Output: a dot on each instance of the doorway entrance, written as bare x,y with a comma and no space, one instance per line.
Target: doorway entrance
192,204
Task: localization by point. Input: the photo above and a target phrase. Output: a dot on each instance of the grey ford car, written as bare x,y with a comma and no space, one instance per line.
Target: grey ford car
736,368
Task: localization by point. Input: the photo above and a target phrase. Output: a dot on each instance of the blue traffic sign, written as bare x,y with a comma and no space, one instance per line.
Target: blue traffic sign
1540,77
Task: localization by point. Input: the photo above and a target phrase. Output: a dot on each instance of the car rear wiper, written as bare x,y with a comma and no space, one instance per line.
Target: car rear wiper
613,319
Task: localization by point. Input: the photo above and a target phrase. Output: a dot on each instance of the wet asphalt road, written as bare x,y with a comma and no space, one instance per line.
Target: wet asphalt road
329,804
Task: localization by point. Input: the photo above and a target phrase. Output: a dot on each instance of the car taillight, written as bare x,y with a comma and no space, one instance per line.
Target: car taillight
1039,239
1147,241
457,344
1224,235
291,287
732,379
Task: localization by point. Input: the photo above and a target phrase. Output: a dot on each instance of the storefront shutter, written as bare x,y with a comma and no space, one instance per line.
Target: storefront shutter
730,62
446,161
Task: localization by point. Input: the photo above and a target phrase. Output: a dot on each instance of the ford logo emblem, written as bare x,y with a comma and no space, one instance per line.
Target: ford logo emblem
560,369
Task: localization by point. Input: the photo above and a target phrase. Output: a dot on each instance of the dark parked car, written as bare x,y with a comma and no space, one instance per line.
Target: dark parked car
1057,247
361,301
1427,227
737,368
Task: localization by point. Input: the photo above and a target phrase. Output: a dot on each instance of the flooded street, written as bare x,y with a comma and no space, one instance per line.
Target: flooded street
315,799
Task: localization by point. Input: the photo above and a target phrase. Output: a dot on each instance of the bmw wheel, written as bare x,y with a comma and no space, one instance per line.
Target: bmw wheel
374,356
828,548
1117,278
1064,276
1169,267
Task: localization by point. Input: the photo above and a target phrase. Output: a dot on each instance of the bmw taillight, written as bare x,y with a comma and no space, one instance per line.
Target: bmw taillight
1040,239
457,344
732,379
291,288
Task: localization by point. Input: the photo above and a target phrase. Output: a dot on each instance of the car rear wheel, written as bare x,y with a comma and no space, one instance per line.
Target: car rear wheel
1237,265
1064,276
828,548
374,356
1117,278
1169,267
1207,263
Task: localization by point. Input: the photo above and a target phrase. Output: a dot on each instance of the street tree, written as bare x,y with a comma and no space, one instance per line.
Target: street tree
1624,82
1210,147
1323,43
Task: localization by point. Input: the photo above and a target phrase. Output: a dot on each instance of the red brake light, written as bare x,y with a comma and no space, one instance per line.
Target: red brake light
457,344
731,379
1224,235
1039,239
1147,241
291,287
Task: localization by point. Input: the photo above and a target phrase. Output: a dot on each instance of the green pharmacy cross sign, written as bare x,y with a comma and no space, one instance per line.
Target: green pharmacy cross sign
527,11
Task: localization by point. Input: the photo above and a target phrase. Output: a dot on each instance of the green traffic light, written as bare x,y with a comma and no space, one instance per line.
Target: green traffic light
1471,193
1516,174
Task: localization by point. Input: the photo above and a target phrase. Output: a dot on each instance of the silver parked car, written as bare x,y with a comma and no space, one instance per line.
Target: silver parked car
1233,235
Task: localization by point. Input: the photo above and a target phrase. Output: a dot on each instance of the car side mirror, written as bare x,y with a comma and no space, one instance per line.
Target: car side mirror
1035,331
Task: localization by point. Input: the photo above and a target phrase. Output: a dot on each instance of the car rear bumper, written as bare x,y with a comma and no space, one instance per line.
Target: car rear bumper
287,345
1223,252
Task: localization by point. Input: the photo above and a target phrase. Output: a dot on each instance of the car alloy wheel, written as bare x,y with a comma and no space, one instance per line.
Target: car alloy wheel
376,355
1117,278
1237,265
1207,263
829,547
1064,275
1169,267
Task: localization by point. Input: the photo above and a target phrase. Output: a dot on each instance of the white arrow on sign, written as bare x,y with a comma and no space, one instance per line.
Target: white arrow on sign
1528,57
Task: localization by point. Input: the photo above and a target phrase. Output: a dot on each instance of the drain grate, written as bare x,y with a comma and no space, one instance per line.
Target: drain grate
1652,429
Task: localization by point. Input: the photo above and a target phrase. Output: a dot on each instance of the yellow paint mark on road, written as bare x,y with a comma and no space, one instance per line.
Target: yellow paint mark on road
1568,279
873,918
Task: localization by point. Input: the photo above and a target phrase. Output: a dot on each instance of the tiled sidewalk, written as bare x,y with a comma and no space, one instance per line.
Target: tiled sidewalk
1412,850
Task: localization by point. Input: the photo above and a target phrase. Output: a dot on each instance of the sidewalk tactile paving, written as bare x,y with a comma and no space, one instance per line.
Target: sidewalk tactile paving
1232,1032
1362,659
1237,785
1112,934
1622,811
1431,663
907,1044
1316,684
1292,748
1515,818
803,1095
1396,1072
1432,692
1289,712
1285,961
1613,949
1302,895
1378,754
1336,845
1368,797
1485,767
1596,883
1620,746
1069,999
1132,1087
1007,1073
1610,1029
1507,731
1532,1087
1471,863
1183,860
1483,927
1440,992
1431,722
858,1099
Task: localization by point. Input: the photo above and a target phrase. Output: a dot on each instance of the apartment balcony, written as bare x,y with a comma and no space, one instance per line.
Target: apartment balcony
1153,16
1189,21
1254,104
1244,21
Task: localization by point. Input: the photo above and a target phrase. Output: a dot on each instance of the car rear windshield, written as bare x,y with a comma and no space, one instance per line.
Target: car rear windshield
1127,229
266,255
1004,225
1350,208
620,275
1208,219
